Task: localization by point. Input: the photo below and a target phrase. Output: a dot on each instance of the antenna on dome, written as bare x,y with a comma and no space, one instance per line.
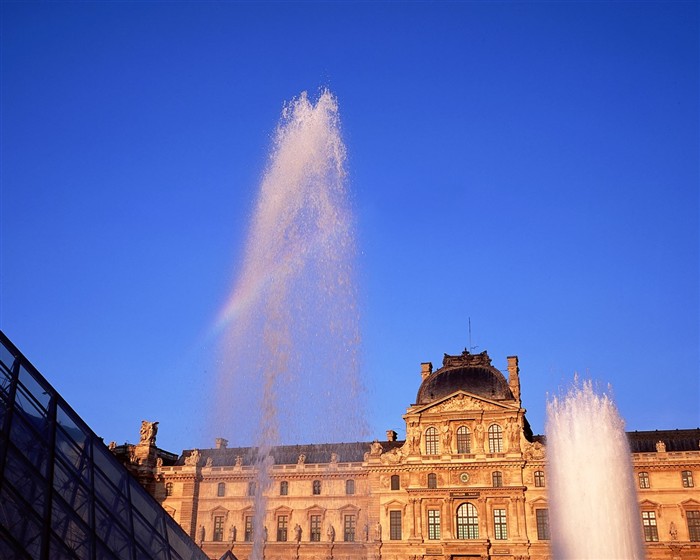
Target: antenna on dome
470,336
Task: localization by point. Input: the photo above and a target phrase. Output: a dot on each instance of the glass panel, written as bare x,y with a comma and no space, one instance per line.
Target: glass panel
179,542
30,442
6,358
28,404
71,453
116,539
59,551
146,535
72,428
26,481
40,393
70,531
112,498
72,491
144,505
5,379
21,523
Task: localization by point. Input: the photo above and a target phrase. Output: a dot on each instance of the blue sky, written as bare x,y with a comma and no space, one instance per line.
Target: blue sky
532,167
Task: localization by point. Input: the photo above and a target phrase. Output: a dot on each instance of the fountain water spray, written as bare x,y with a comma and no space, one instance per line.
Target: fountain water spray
290,361
593,507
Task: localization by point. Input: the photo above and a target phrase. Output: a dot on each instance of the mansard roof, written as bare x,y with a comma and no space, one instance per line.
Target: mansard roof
472,373
645,442
289,454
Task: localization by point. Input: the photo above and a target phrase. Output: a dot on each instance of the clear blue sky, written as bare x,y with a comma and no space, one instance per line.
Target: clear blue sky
531,166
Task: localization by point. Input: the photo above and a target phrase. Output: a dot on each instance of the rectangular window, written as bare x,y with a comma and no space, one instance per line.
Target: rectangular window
251,488
542,516
651,532
395,482
693,518
248,534
644,480
687,478
316,487
282,528
500,528
349,528
218,528
539,479
350,487
395,525
434,524
315,529
463,440
497,479
284,488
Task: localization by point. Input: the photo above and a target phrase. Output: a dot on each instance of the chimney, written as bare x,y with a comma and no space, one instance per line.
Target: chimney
221,443
391,435
426,368
514,377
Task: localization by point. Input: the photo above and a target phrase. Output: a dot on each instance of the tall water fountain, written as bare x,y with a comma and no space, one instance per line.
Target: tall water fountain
289,367
592,498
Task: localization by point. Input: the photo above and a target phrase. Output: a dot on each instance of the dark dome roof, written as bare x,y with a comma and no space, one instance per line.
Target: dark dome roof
472,373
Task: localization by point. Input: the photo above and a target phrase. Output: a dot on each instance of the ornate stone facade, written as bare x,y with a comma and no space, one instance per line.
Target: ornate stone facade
467,482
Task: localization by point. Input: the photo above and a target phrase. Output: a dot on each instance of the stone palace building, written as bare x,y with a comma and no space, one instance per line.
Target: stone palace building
469,481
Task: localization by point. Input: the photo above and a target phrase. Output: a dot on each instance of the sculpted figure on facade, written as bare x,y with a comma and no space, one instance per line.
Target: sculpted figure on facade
378,532
534,451
159,462
331,533
334,458
233,531
297,533
301,459
376,449
209,462
479,437
239,461
391,457
148,432
660,447
513,434
193,459
202,534
447,437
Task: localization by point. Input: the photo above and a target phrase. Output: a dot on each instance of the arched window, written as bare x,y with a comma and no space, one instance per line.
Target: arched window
464,443
539,479
349,487
432,444
495,439
467,522
497,479
168,488
395,482
284,488
432,480
221,489
644,480
316,487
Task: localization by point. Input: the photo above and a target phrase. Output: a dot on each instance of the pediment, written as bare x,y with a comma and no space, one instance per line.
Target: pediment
462,401
394,504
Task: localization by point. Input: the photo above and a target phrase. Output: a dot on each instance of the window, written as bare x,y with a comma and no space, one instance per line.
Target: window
542,516
432,480
282,528
432,444
463,440
495,439
467,522
644,480
251,488
218,528
693,518
316,487
500,528
651,533
248,533
395,525
434,524
315,528
687,478
168,489
349,487
349,528
221,489
395,482
284,488
539,479
497,479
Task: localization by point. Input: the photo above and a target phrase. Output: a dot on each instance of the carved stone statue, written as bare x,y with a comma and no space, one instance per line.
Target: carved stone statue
378,531
193,458
232,532
479,437
447,437
209,462
148,432
334,458
301,459
112,445
202,534
239,460
513,434
673,531
331,533
660,447
376,448
159,462
413,437
297,533
366,532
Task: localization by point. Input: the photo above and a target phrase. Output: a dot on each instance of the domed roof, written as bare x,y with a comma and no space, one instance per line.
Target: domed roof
472,373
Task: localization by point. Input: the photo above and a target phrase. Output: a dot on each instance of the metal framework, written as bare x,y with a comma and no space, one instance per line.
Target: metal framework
63,495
